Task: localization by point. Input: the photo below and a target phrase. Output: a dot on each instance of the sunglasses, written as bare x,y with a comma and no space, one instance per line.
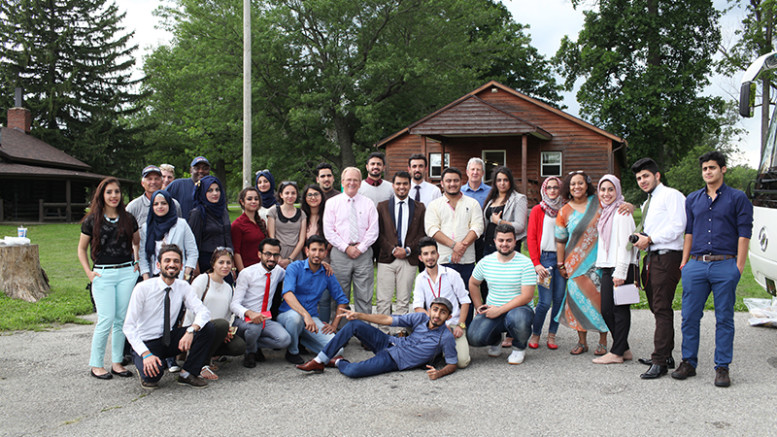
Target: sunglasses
228,249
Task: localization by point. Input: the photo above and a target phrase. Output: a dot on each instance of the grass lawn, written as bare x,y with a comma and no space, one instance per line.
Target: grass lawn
69,299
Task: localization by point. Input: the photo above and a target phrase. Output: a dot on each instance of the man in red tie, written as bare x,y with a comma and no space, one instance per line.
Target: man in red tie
251,304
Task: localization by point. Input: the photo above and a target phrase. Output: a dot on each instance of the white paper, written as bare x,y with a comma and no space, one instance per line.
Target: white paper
625,294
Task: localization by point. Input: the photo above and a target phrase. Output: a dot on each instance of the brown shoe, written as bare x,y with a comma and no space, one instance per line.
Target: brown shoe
333,361
684,371
721,377
192,381
311,366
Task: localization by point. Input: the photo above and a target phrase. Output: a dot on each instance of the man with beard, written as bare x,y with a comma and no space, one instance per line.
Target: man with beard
430,338
439,281
456,222
374,186
150,324
251,304
509,307
325,179
305,282
182,190
420,190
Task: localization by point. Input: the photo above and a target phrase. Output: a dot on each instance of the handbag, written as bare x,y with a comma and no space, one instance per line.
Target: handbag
626,294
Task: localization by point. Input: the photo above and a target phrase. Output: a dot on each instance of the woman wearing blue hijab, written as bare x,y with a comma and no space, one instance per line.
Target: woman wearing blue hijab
163,226
265,183
209,220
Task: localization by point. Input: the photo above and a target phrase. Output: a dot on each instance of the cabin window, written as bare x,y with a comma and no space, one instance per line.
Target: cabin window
493,159
551,164
435,164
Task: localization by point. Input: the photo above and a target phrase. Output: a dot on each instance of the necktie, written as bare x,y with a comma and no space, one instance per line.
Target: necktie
266,295
642,221
418,193
166,329
399,224
354,226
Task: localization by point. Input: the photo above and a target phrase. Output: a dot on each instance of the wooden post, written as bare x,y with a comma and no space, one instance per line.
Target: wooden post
20,274
40,210
68,208
524,168
1,209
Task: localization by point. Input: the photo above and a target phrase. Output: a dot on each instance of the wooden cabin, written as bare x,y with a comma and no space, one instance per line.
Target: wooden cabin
505,127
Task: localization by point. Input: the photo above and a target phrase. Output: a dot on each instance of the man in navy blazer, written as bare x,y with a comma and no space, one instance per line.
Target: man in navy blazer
401,226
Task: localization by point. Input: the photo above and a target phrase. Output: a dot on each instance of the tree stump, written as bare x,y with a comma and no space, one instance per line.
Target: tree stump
20,274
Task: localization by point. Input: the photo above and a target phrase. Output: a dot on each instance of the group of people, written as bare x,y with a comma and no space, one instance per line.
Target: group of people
208,287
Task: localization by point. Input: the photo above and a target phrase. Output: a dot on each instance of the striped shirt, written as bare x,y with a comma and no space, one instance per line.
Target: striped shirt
505,279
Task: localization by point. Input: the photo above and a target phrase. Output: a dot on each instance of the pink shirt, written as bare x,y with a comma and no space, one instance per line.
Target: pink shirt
337,224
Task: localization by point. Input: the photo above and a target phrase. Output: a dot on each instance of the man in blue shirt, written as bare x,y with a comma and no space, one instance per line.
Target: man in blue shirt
303,286
182,190
720,223
430,337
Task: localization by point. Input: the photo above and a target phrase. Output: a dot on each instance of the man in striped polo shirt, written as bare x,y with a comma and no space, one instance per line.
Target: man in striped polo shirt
509,306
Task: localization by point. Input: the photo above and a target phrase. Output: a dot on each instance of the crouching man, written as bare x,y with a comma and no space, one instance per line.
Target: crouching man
430,337
150,324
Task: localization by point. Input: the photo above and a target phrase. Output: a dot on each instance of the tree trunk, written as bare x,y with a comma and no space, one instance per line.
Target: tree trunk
20,274
344,139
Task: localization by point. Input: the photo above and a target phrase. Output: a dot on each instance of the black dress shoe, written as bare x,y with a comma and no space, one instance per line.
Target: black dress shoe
124,373
249,360
649,362
295,358
103,376
655,371
260,356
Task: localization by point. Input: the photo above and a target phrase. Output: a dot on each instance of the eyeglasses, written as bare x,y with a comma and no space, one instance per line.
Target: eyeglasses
313,195
575,172
289,183
267,170
552,188
228,249
271,255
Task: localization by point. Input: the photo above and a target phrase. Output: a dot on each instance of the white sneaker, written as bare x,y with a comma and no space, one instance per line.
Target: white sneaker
175,369
516,357
495,351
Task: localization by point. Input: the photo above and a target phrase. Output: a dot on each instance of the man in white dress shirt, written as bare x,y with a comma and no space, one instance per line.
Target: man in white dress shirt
150,324
661,233
439,281
252,301
420,190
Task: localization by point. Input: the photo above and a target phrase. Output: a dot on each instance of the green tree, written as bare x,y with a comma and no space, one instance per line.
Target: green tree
73,61
644,65
330,78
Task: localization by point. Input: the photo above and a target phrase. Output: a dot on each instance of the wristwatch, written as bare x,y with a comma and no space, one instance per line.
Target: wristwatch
190,330
463,325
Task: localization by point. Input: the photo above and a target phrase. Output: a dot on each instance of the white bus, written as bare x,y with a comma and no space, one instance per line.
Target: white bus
763,190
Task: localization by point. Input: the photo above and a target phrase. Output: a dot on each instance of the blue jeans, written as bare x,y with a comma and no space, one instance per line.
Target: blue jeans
553,294
699,278
111,292
488,332
295,326
374,338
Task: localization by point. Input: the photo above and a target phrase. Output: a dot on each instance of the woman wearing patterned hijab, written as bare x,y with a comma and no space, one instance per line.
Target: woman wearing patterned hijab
541,242
617,264
209,220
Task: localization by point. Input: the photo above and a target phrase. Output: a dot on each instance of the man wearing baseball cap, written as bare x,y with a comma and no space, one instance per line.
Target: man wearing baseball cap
182,190
430,338
151,180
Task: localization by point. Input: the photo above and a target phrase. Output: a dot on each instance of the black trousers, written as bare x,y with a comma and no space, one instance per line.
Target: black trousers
617,317
198,356
660,275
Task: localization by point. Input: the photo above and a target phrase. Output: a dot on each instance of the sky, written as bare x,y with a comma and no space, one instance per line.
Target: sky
549,21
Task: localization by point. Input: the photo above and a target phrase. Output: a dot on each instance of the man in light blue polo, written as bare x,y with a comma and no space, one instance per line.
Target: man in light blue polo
303,286
475,187
509,307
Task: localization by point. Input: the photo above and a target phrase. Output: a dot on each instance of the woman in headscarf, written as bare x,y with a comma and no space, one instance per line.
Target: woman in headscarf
617,264
265,183
209,220
541,242
163,226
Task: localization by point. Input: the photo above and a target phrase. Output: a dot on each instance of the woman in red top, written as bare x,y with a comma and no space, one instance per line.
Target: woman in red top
248,230
541,242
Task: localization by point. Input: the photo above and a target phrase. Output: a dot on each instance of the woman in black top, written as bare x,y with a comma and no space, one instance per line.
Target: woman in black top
209,220
109,231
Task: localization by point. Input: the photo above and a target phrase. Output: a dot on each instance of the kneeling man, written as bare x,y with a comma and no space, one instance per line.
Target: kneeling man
511,282
151,316
430,337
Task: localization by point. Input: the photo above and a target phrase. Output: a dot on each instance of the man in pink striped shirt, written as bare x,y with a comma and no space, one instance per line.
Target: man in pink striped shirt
351,227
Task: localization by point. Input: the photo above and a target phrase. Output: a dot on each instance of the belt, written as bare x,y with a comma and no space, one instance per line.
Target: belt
709,258
115,266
